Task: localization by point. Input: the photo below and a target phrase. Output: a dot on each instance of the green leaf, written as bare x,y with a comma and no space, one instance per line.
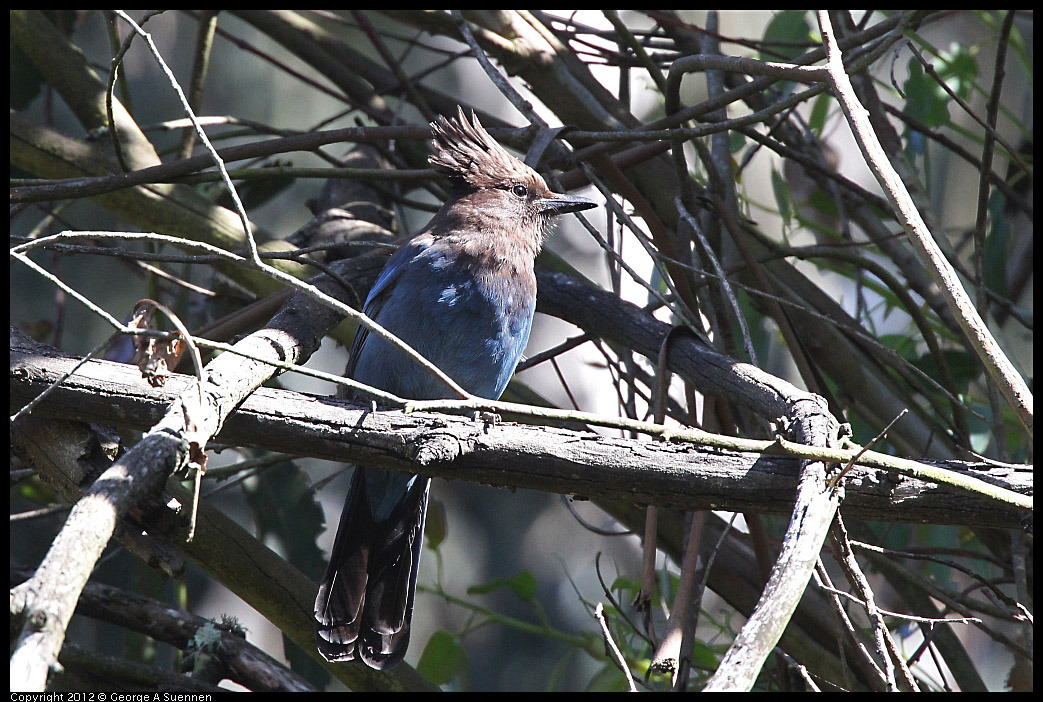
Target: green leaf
782,197
963,366
736,142
35,490
787,35
443,660
625,584
824,203
608,679
523,584
997,242
958,68
704,656
904,344
436,526
925,100
819,112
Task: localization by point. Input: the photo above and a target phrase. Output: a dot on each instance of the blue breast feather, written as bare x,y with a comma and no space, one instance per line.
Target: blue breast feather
472,326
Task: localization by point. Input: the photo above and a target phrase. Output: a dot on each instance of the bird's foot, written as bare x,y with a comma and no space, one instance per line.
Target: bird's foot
487,418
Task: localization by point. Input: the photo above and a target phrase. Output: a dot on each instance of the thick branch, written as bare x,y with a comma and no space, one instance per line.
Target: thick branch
684,476
246,664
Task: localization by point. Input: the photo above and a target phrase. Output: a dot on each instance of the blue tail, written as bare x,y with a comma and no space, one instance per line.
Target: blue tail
365,599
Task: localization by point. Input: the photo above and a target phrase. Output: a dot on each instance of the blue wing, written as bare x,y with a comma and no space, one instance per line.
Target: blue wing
380,292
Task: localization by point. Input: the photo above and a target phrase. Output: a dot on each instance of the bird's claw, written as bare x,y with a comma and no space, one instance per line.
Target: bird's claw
487,418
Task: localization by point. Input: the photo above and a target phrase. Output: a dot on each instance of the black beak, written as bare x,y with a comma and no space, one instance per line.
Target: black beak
558,204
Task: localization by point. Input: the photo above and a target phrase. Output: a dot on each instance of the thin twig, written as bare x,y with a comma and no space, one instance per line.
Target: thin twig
240,209
500,81
610,644
1013,386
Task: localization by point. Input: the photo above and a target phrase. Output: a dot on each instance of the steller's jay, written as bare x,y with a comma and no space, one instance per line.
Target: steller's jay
462,293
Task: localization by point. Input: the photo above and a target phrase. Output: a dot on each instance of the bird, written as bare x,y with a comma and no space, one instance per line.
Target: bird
462,293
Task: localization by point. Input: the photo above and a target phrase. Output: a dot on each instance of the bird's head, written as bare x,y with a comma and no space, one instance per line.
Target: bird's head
492,187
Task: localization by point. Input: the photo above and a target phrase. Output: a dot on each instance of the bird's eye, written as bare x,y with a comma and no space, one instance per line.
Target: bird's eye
520,191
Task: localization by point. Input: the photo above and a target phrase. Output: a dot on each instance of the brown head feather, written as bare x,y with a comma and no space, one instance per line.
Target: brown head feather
469,155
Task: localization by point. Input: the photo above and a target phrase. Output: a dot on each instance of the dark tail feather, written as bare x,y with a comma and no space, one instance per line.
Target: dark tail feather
365,599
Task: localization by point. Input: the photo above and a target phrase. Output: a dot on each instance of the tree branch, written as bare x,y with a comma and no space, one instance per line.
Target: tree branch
646,471
977,333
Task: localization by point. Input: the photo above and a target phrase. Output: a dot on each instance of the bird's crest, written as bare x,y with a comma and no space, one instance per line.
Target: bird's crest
465,152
